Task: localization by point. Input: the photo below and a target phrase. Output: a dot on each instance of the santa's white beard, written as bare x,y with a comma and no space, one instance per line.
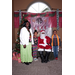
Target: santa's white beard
42,36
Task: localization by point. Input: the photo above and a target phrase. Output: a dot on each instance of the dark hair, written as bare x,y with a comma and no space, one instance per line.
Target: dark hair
54,30
35,31
24,24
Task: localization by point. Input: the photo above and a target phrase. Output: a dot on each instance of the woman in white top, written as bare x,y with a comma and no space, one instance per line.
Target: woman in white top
26,41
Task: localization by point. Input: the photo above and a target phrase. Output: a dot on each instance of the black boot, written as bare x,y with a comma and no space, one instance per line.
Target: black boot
26,63
42,56
47,57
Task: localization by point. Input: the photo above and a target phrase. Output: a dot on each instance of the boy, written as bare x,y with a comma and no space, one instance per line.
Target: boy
55,43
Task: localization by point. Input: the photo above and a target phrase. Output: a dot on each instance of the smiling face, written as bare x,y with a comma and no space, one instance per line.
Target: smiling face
35,34
54,32
27,24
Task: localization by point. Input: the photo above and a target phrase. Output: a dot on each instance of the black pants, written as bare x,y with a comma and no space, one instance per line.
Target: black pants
44,58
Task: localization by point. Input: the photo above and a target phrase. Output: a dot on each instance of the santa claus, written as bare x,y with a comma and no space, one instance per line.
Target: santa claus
44,45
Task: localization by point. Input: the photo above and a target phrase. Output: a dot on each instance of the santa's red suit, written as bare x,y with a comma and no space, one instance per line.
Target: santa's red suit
44,43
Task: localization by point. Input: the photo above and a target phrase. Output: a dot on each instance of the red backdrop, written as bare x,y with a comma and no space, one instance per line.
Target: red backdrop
51,18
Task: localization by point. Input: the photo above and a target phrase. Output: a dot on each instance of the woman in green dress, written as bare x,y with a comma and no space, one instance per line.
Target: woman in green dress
26,41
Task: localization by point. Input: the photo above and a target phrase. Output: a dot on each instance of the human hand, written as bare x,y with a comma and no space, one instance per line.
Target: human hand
24,46
38,47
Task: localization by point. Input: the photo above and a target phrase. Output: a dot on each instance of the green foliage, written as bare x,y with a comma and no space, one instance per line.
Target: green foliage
17,42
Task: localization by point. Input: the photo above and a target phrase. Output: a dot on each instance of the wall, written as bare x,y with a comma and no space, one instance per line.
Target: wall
24,4
13,29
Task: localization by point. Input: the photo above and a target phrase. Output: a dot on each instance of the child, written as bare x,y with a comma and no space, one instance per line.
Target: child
35,46
55,43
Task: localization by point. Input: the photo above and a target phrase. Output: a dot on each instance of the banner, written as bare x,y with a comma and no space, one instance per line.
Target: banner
39,20
39,23
42,20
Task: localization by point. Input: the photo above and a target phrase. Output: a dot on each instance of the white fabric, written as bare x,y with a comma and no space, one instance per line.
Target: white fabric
40,49
24,36
48,31
48,50
45,41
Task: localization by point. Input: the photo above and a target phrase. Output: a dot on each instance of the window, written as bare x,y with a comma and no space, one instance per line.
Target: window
38,7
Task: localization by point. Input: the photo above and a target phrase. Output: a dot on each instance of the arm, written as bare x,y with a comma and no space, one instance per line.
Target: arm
50,42
38,41
59,41
32,37
22,36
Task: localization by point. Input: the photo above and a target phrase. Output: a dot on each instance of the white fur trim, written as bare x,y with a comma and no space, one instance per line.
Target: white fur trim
40,49
48,50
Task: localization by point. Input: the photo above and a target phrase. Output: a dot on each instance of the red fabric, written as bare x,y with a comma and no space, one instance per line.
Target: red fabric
52,19
16,20
42,30
60,22
41,41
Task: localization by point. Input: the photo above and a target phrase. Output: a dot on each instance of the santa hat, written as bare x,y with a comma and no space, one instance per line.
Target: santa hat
42,31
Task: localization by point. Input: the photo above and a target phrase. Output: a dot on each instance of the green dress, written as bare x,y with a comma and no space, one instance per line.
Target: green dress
26,53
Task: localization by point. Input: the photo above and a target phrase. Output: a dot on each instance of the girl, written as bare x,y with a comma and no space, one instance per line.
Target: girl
35,46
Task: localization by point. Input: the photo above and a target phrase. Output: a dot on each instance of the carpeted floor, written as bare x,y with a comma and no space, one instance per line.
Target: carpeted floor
54,67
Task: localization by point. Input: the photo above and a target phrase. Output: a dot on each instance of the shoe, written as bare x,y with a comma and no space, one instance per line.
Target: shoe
30,62
35,59
26,63
56,58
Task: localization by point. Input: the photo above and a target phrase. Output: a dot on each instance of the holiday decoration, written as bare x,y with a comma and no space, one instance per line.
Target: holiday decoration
19,60
16,56
57,19
17,42
38,21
